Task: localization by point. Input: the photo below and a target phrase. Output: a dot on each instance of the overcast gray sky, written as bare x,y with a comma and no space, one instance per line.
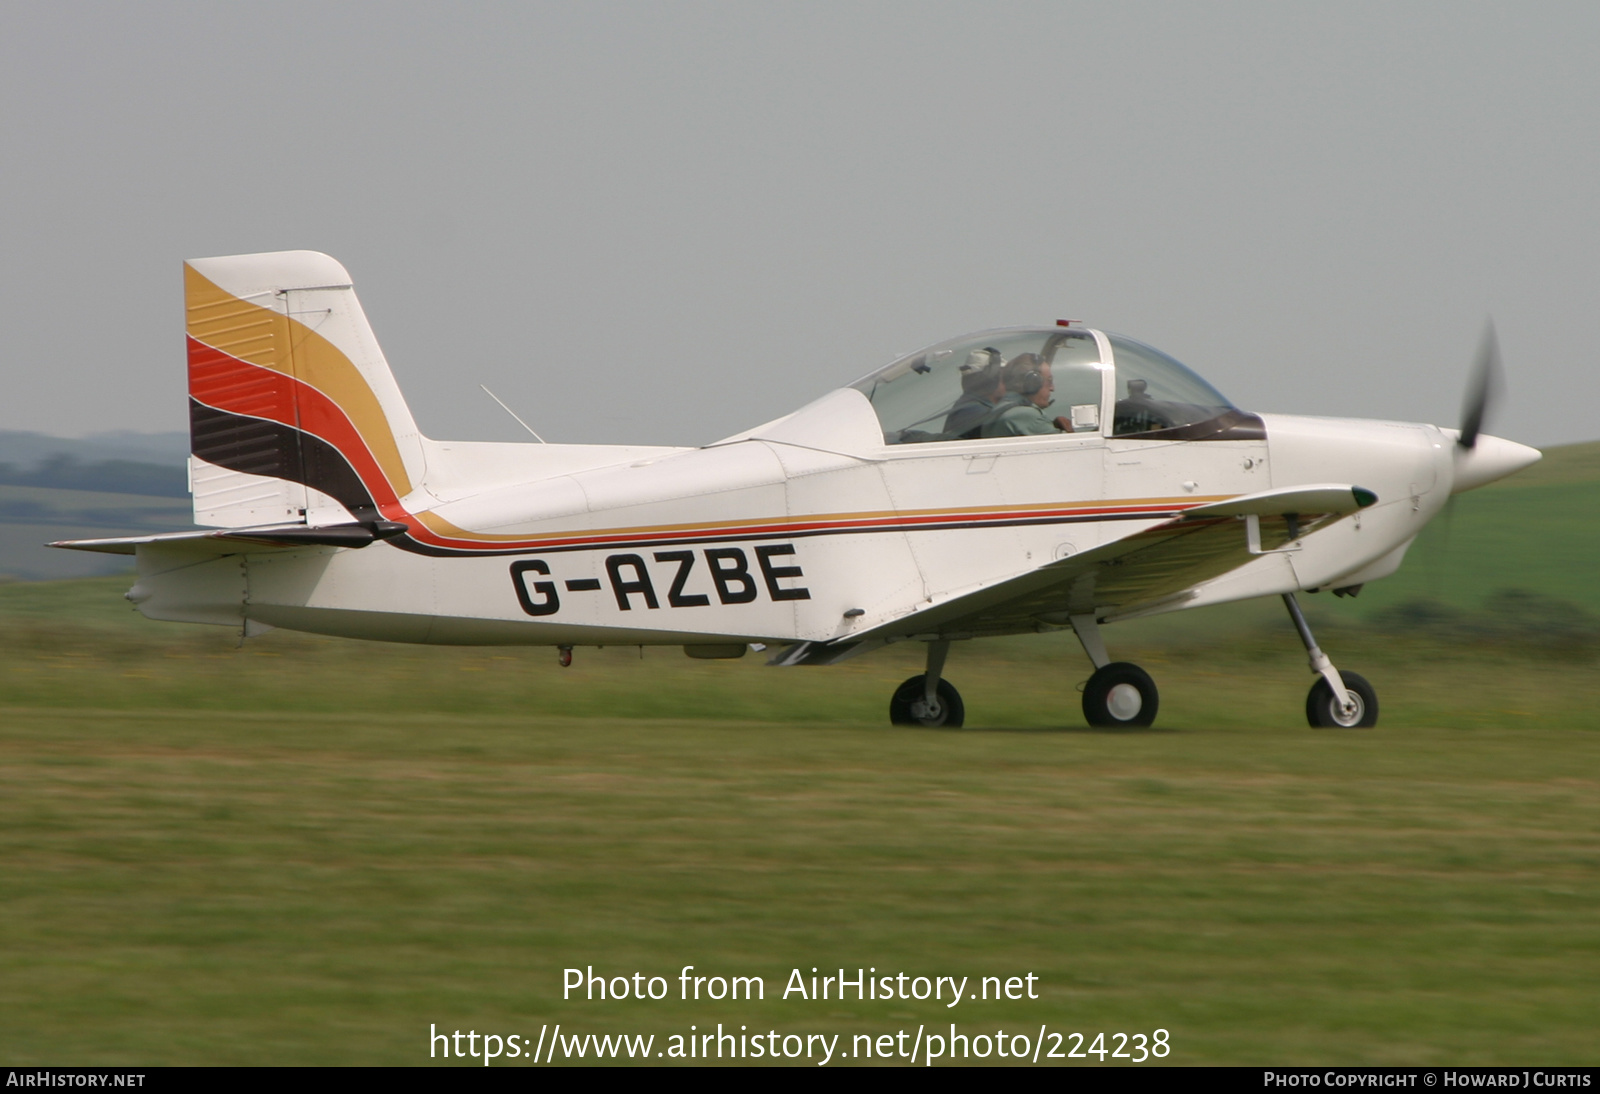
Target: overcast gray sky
667,222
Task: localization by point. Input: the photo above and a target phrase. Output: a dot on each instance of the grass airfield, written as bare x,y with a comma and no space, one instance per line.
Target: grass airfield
305,851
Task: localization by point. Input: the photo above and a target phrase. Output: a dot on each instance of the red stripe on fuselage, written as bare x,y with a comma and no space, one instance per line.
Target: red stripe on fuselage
800,527
771,529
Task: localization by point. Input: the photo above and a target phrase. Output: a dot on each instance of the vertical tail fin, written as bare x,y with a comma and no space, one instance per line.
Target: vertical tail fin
293,413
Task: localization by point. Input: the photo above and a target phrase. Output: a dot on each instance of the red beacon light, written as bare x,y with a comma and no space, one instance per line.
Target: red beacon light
1067,322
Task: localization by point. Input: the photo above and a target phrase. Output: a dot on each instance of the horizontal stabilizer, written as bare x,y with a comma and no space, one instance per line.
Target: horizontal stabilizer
229,541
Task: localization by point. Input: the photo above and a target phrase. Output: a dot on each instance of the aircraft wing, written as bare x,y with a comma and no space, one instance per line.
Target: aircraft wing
1143,570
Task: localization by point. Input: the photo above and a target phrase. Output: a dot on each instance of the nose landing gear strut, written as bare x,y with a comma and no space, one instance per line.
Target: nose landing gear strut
1338,700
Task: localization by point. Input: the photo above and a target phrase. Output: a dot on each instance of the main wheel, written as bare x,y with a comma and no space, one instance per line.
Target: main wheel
909,707
1323,712
1120,694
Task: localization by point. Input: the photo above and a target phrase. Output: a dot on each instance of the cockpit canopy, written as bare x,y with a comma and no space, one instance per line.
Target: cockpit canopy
984,386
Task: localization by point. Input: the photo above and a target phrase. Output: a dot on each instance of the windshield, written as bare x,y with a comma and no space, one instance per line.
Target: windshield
990,385
1156,392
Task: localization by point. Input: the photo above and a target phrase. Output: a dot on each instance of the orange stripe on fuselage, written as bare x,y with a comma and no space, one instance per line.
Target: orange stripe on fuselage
1154,508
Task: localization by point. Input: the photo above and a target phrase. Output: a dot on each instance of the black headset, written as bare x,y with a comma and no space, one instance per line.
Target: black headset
1030,383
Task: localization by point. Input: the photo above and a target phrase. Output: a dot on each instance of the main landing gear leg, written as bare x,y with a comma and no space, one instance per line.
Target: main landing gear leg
1337,700
1119,694
937,652
928,700
1087,628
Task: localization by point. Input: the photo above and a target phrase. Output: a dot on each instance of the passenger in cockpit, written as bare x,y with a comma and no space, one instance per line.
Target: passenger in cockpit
981,392
1029,389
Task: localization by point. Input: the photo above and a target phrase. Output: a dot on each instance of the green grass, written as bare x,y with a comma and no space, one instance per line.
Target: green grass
1540,538
258,889
307,850
1536,531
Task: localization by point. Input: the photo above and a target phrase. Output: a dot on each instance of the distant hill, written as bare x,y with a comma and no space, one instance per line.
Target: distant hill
105,476
105,484
122,462
24,449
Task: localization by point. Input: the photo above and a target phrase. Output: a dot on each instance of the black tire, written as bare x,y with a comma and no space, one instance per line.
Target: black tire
1120,694
1323,712
906,708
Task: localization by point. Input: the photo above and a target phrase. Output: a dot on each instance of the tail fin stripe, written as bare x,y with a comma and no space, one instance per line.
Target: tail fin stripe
224,383
286,346
262,446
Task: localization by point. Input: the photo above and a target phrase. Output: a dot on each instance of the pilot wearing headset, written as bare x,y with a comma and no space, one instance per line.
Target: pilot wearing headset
981,393
1029,389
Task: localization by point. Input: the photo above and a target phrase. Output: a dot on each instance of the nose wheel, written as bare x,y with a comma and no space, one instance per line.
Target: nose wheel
1324,711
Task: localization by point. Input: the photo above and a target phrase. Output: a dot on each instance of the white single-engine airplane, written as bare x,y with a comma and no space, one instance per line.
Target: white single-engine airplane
935,499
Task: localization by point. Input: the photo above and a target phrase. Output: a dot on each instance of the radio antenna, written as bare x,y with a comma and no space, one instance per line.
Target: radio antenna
513,413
